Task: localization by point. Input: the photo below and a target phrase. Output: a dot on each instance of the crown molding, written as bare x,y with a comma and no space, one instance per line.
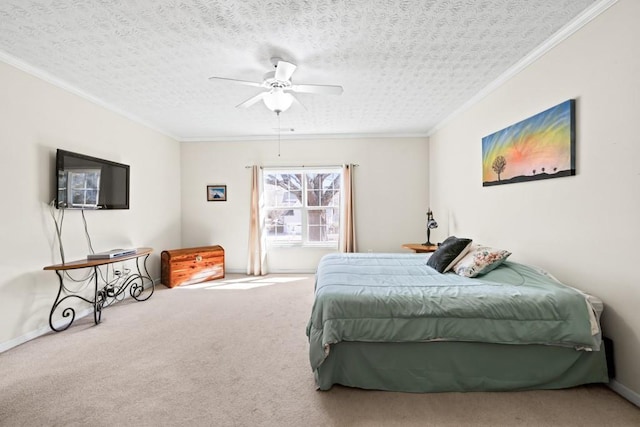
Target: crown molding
290,137
36,72
562,34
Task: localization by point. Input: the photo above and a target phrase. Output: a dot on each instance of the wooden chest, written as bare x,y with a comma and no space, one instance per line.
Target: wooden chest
191,265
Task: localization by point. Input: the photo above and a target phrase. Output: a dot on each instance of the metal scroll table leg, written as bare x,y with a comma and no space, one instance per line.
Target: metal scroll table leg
98,298
137,289
68,311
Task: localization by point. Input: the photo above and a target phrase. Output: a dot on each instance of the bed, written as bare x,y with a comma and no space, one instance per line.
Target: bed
391,322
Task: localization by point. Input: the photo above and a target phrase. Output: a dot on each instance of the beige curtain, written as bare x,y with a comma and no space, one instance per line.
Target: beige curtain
348,236
256,258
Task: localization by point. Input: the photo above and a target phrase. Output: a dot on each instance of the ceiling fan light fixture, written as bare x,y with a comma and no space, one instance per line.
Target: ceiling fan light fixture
277,100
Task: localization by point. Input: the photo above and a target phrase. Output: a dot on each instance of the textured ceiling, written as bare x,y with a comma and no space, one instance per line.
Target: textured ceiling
405,65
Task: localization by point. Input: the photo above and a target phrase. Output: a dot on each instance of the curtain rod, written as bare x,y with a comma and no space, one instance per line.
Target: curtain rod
300,166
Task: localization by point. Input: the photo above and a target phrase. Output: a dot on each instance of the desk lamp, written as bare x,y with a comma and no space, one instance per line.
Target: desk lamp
431,224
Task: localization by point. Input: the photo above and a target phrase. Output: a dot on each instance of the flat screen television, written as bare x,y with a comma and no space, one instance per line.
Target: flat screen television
85,182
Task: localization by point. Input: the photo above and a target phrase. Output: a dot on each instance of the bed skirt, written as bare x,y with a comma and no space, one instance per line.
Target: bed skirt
458,366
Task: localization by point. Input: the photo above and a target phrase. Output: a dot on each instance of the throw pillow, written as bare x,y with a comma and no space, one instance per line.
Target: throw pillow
449,253
480,260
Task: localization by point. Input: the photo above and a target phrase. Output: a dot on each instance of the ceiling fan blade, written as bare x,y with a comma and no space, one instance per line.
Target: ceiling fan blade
284,70
319,89
242,82
298,103
249,102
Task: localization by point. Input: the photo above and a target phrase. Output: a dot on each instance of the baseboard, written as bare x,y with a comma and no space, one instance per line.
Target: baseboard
7,345
311,271
236,271
625,392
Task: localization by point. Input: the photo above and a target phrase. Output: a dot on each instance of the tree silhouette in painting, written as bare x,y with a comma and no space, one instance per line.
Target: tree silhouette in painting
498,165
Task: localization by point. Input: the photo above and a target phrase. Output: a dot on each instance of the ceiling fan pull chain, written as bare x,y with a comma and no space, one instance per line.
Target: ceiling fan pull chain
279,130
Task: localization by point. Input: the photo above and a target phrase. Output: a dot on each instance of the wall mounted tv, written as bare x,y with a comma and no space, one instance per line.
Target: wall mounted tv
85,182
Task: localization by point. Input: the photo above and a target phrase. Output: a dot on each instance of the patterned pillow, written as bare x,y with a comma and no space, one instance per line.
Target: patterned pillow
480,260
448,253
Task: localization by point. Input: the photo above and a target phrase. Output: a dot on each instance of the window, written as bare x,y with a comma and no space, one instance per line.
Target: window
302,206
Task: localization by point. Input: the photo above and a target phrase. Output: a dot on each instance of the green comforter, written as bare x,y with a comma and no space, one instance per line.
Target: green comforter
398,298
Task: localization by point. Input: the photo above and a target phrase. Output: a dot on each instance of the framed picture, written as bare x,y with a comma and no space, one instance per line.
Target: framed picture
540,147
216,193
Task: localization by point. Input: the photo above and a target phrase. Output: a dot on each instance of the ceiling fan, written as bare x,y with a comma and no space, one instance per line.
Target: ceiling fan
277,94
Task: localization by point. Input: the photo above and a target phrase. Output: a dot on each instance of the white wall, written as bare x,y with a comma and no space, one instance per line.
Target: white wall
584,229
37,117
391,193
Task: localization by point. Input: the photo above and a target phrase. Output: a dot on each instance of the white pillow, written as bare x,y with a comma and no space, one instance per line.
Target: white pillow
480,260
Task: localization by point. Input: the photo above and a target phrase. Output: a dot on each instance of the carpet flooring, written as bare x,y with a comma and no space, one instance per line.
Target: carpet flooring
233,352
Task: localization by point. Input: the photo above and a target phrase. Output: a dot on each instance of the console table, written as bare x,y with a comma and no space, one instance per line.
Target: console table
105,291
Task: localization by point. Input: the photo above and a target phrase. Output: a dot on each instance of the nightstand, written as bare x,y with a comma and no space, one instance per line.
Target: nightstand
420,248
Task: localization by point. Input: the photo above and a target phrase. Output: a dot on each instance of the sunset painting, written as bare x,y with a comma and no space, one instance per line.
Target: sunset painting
540,147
